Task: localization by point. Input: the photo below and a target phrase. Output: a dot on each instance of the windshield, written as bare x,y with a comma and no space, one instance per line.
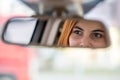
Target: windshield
50,63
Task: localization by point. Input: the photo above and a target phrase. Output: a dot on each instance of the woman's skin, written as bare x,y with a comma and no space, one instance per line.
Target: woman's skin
90,34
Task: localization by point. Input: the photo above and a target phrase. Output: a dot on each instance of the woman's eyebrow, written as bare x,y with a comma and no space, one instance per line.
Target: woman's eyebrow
98,30
78,28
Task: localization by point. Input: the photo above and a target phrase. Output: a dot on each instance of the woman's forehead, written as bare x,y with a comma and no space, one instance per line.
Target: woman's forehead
90,24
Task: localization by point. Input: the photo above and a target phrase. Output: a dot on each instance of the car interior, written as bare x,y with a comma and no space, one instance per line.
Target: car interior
59,40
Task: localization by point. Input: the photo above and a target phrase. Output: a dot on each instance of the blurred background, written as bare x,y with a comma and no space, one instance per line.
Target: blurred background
46,63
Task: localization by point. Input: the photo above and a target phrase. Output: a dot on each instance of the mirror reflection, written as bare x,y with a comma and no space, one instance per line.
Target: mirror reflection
84,33
20,30
70,32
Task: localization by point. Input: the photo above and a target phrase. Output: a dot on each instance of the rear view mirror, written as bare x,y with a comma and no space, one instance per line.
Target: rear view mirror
74,32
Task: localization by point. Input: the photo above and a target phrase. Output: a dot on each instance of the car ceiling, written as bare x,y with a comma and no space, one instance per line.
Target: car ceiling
87,4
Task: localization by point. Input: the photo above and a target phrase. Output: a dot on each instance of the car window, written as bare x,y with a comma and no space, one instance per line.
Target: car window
9,58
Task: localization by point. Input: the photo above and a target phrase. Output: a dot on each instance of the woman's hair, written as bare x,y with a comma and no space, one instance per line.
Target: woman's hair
66,31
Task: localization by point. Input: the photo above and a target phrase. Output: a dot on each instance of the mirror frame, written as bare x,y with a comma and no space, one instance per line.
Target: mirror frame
5,26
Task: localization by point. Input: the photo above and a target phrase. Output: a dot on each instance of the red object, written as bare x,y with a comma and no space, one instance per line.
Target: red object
14,59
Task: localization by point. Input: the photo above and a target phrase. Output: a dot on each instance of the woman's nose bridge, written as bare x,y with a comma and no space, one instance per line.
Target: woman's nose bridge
85,41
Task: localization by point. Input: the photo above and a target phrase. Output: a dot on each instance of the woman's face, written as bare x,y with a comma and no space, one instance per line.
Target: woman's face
89,34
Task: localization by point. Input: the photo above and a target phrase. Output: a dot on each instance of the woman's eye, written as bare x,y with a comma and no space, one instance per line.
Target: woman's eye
77,32
97,35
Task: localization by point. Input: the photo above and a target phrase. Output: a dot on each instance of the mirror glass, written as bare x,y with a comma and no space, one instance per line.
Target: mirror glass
70,32
84,33
20,30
